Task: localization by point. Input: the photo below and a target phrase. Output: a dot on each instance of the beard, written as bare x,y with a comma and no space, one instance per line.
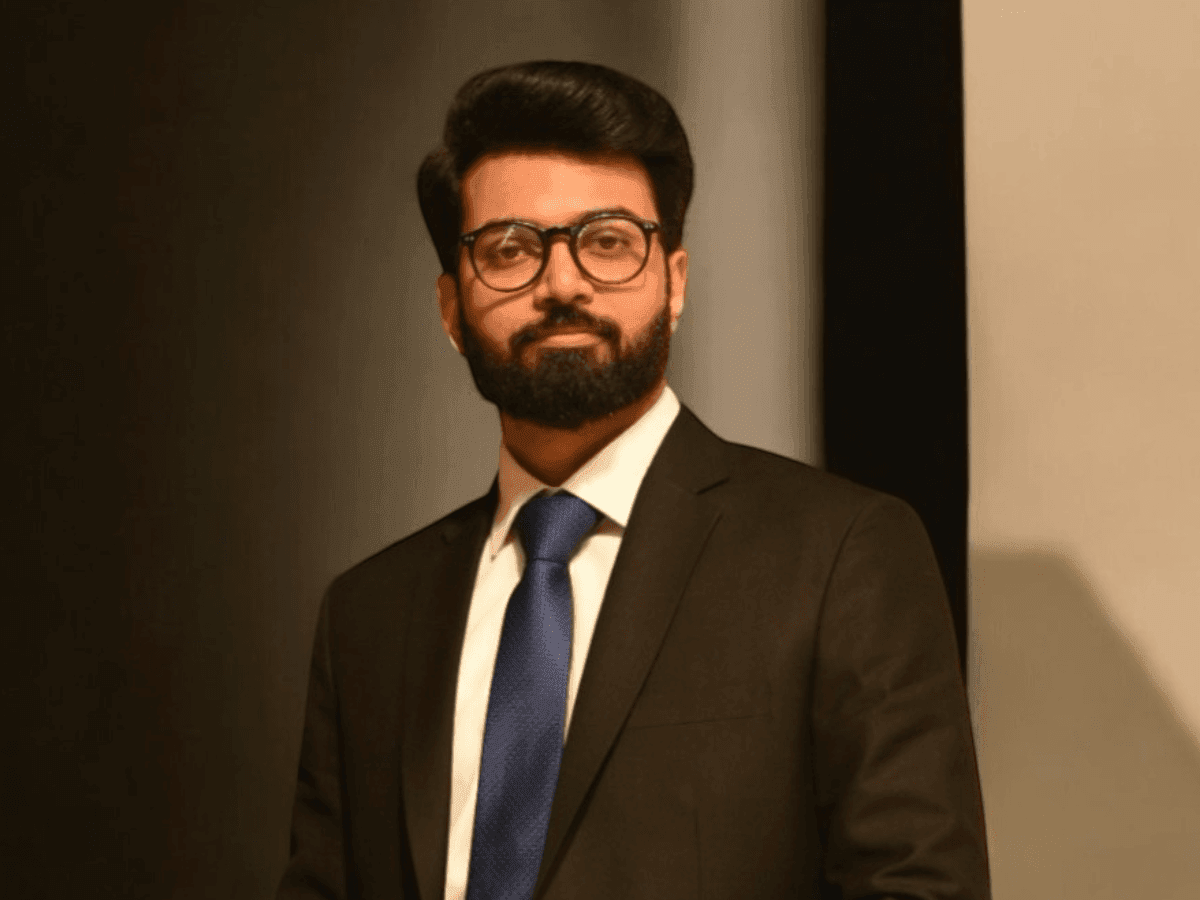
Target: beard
564,388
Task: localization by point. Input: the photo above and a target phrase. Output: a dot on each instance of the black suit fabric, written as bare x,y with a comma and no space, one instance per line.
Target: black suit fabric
771,705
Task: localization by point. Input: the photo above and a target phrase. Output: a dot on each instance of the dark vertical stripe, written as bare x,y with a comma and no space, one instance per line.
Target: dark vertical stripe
895,367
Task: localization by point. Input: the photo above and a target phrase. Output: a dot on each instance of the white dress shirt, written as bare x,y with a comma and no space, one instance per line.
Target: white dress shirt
609,482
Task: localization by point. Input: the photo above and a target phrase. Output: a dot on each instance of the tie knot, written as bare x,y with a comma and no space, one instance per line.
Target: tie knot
551,525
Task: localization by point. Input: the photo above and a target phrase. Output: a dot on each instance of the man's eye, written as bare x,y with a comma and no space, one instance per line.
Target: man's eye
606,242
508,249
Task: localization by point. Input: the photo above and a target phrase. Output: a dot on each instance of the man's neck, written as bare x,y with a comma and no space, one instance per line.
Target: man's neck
552,455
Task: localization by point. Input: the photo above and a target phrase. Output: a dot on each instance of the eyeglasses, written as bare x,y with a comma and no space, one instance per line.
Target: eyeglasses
510,255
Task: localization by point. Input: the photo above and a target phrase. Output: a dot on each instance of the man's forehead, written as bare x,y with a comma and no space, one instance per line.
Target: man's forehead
551,187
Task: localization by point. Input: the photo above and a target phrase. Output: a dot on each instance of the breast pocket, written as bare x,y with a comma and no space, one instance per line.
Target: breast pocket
711,667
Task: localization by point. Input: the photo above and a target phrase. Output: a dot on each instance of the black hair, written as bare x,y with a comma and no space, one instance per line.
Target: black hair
571,107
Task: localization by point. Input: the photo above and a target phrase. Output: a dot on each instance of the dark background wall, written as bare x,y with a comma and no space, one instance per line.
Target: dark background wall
202,189
226,382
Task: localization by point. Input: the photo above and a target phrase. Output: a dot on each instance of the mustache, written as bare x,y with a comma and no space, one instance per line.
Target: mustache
565,316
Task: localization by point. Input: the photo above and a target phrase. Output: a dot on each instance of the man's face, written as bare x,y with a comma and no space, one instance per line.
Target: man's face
564,350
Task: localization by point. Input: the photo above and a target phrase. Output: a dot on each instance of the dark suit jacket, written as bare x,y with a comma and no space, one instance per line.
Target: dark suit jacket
771,706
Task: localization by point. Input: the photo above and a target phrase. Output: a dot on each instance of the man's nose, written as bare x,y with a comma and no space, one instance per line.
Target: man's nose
562,280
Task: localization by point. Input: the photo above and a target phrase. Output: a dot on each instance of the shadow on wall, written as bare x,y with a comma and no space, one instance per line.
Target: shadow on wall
1091,783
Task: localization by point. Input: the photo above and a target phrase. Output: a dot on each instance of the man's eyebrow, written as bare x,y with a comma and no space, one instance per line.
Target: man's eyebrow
606,211
582,217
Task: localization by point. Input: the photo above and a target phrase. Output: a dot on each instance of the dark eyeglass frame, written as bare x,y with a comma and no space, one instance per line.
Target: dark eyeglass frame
572,232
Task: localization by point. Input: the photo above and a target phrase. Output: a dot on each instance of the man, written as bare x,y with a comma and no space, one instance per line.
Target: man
648,663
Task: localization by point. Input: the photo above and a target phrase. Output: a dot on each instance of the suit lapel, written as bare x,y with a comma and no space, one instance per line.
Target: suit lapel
434,645
668,528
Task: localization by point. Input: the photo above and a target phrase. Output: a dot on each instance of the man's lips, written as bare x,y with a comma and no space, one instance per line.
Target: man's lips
566,328
567,337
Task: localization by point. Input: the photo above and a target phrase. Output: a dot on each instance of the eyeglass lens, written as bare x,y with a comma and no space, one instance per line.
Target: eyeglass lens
509,255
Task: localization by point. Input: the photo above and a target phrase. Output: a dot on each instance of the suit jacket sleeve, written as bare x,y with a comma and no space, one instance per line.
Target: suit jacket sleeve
317,866
895,772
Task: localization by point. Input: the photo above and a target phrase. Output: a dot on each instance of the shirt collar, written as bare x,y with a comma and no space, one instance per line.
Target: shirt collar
608,482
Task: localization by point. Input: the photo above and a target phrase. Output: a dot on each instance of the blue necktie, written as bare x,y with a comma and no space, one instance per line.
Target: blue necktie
523,737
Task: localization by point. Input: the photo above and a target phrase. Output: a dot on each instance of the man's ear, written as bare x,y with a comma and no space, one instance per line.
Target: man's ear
447,297
677,265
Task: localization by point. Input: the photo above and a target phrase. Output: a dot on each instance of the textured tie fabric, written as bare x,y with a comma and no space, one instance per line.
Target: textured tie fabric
523,735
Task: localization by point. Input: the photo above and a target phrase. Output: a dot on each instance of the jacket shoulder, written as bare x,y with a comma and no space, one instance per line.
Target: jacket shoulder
772,493
760,491
756,470
408,556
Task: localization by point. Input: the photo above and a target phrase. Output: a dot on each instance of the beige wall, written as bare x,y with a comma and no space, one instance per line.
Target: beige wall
1083,211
